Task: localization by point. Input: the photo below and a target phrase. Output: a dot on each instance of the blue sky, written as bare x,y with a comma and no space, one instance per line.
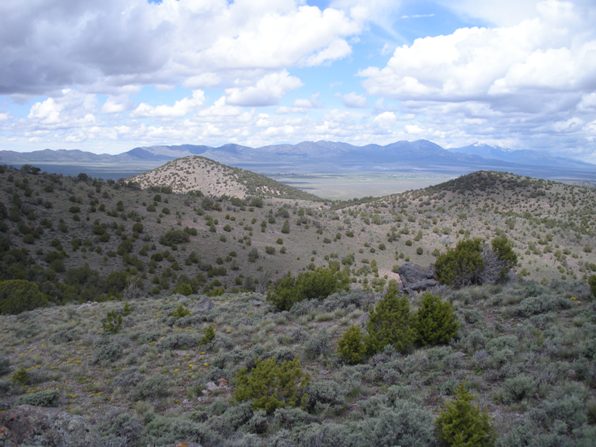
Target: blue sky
108,76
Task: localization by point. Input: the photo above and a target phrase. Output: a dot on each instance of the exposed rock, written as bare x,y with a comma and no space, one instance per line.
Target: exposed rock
416,278
28,425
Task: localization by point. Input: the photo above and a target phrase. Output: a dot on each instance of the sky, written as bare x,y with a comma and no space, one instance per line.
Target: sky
107,76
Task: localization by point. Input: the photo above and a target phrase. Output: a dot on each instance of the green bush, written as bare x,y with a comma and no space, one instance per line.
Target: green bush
271,385
112,322
462,424
47,398
18,295
391,323
592,283
208,335
503,248
181,311
435,321
462,265
174,237
351,347
183,288
21,377
319,283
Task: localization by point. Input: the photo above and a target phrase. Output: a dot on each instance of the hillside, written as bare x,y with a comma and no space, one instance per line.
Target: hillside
525,351
70,233
175,266
191,174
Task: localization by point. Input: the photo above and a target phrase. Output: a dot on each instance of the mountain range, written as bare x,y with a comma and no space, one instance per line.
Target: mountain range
319,157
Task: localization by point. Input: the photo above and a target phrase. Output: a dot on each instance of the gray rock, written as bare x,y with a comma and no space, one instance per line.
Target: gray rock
416,278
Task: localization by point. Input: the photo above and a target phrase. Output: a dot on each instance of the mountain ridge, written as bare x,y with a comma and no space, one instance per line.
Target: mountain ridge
325,157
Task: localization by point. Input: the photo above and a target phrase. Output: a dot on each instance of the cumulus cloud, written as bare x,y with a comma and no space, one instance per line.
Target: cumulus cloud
531,77
385,119
543,53
49,44
179,108
353,99
265,92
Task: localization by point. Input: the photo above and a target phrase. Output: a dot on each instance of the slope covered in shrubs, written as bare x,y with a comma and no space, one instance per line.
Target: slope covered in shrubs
232,370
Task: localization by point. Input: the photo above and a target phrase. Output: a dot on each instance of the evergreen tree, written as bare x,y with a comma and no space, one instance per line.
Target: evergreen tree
463,424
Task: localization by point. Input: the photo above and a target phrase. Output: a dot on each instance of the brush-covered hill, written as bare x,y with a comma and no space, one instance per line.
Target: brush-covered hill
214,179
525,351
80,238
176,310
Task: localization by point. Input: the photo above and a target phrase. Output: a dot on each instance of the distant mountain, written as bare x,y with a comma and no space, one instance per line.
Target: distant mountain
325,157
524,157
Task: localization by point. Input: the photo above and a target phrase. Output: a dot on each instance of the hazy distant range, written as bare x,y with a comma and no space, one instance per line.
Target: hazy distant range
325,168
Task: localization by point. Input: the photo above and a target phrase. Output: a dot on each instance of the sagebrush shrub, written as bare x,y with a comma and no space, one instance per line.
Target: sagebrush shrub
351,347
272,384
463,424
435,322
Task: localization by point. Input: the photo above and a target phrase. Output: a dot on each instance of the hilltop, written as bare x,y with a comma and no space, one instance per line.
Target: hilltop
194,173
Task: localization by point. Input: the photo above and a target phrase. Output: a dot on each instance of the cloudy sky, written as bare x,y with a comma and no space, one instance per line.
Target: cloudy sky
109,75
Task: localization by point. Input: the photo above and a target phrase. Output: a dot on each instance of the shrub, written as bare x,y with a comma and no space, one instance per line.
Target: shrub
174,237
435,321
4,365
183,288
181,311
47,398
462,424
592,283
351,346
179,341
208,335
18,295
319,283
253,255
112,323
285,228
503,248
21,377
391,323
272,384
461,265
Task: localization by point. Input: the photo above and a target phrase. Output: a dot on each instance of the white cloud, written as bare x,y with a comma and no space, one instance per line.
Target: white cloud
114,105
265,92
413,129
542,53
46,112
48,44
4,116
179,108
353,99
385,119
